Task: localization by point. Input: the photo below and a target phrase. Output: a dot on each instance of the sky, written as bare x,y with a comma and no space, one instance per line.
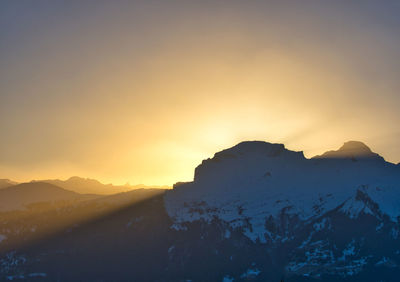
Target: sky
143,91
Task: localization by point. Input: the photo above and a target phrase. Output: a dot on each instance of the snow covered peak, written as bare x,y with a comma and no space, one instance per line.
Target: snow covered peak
252,181
354,150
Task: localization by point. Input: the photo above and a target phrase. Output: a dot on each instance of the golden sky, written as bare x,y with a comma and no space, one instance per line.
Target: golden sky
143,91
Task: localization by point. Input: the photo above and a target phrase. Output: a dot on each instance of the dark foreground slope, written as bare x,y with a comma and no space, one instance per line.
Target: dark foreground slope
137,243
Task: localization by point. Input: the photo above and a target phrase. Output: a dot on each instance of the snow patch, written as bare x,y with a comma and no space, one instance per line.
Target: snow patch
395,233
386,262
12,277
178,227
251,272
227,278
354,267
227,234
318,226
37,274
348,251
379,227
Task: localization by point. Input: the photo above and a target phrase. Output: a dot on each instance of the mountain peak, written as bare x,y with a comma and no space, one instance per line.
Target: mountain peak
249,155
253,181
356,147
78,178
249,147
351,149
254,149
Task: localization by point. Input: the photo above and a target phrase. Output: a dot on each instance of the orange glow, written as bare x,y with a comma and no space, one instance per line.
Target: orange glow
122,98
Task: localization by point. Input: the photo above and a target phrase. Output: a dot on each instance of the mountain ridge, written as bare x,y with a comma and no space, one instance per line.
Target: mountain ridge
300,207
84,185
21,195
7,183
269,170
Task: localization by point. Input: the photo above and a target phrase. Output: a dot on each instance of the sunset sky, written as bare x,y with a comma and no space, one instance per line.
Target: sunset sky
142,91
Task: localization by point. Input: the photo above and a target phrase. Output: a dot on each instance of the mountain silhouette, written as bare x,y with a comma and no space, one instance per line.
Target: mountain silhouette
6,183
20,195
264,178
92,186
354,150
88,186
254,212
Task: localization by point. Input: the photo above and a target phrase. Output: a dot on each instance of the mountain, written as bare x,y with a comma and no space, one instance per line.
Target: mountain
351,150
329,210
88,186
254,180
21,195
4,183
92,186
254,212
130,196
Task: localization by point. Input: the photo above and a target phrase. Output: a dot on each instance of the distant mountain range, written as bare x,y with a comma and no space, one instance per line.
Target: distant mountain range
6,183
254,212
15,196
92,186
20,196
86,185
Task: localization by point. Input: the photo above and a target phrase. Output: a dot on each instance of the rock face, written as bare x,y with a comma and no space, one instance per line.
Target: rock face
316,206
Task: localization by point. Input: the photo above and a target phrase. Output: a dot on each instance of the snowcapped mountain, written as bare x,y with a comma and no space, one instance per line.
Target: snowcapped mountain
250,182
277,197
